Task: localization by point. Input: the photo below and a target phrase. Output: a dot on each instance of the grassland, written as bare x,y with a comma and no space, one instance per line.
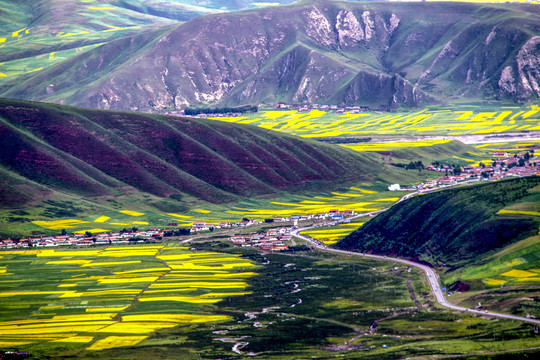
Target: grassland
34,38
125,302
508,279
438,120
54,212
369,197
455,226
188,167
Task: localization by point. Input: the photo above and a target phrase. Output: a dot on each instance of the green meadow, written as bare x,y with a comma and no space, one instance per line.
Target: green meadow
165,300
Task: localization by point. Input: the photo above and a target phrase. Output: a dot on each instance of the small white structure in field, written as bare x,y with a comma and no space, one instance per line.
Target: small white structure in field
394,187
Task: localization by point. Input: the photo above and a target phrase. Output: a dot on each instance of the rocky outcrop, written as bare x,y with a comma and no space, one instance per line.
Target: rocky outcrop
378,55
521,79
388,92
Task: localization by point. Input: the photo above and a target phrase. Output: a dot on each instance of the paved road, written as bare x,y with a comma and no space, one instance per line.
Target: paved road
430,273
467,139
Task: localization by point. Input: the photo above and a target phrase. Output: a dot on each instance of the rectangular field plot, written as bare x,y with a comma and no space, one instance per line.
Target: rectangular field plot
109,302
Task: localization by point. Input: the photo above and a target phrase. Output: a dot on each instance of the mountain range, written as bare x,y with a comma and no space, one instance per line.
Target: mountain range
382,55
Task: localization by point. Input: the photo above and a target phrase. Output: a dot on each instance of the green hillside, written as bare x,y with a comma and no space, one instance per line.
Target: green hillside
60,161
454,226
93,153
35,35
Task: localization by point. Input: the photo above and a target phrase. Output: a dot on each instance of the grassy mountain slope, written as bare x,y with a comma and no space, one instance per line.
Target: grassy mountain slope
384,55
452,226
35,35
94,153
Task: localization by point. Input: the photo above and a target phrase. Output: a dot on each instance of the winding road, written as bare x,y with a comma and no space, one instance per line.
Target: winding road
432,277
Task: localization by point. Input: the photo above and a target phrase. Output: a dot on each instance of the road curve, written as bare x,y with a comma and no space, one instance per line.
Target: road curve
432,277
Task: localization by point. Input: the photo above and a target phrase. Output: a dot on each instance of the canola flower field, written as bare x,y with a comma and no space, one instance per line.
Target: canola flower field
436,121
355,198
331,235
112,297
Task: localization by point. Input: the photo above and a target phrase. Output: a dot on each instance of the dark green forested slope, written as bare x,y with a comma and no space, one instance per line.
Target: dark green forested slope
449,226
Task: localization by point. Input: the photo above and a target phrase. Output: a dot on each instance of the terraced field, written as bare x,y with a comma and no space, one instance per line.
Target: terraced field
114,297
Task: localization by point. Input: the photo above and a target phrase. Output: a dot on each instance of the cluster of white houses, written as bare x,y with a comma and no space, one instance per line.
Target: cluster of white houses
126,237
84,239
335,215
271,240
308,107
503,165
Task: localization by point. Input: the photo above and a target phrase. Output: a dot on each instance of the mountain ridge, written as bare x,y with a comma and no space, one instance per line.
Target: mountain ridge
383,55
96,153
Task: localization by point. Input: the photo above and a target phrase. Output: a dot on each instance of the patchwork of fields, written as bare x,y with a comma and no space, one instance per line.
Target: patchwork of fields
28,46
112,297
437,121
354,198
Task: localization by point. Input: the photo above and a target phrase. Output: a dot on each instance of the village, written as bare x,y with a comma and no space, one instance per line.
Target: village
503,165
271,240
280,106
133,236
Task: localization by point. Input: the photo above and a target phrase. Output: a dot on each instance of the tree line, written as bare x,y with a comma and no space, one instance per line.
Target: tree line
222,110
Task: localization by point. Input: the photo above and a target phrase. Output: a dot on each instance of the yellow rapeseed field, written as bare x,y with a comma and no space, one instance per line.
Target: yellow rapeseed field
142,270
494,282
76,339
10,344
59,224
110,263
132,213
68,262
178,318
519,212
200,284
518,273
318,123
145,282
93,231
136,327
185,299
116,341
107,309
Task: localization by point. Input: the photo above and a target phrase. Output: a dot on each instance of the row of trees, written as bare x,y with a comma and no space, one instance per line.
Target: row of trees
222,110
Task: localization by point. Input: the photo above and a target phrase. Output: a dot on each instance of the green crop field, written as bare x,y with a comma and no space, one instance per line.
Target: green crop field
98,299
135,301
